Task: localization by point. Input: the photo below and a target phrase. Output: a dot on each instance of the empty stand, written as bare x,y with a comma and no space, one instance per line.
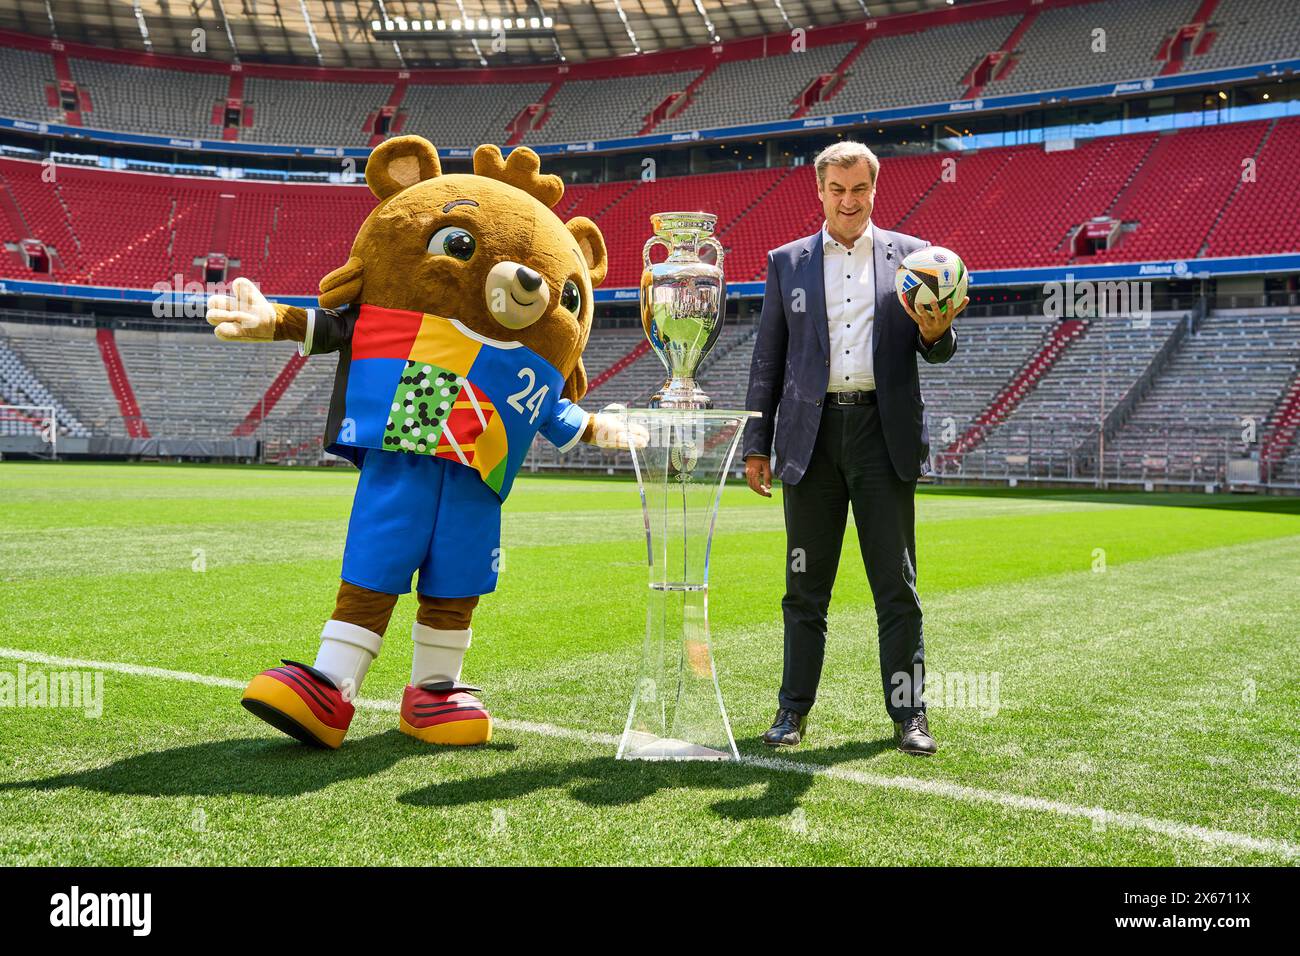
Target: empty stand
312,113
1057,337
1264,214
928,66
1172,203
27,75
120,381
149,99
190,385
991,353
1064,409
19,385
466,114
1050,47
1225,379
1091,43
603,109
726,97
1249,31
1000,208
67,363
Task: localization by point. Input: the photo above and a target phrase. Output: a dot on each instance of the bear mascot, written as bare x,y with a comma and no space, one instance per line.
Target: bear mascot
460,319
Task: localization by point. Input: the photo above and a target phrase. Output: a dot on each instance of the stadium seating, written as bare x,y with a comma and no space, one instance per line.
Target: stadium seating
606,347
311,113
1173,201
20,386
604,109
1240,367
992,351
27,75
1003,208
65,364
1250,31
149,99
928,66
1019,206
1264,215
727,195
1047,48
466,114
1058,50
1221,383
169,370
726,97
1042,434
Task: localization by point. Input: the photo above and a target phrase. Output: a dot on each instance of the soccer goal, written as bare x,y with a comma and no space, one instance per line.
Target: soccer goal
32,421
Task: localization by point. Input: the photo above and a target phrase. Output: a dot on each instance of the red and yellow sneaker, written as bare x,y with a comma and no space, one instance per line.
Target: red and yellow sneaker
302,702
445,713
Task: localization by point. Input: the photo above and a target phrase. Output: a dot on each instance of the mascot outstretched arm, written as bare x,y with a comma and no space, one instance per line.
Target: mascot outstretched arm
459,320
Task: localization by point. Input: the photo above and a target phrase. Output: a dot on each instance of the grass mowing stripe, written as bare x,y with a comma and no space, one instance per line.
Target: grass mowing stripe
942,789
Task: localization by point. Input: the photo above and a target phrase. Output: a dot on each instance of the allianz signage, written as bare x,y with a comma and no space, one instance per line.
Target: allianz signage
1134,87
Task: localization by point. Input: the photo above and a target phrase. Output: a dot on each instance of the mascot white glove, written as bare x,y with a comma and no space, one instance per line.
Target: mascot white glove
613,430
245,316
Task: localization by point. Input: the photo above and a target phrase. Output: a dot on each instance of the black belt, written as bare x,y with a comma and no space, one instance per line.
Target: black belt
860,397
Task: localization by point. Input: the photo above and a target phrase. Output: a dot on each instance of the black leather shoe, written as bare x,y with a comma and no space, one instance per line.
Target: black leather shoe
788,728
913,736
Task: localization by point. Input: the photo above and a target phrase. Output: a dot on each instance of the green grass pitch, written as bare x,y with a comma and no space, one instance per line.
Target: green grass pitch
1145,647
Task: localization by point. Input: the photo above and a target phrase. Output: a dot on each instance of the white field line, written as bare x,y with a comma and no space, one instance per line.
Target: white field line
933,788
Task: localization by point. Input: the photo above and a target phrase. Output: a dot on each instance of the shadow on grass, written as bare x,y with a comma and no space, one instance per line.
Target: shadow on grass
249,765
606,782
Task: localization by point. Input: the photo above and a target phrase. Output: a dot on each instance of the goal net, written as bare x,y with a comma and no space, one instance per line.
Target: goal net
36,423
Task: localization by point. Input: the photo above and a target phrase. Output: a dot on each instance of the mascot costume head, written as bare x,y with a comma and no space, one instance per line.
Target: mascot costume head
459,320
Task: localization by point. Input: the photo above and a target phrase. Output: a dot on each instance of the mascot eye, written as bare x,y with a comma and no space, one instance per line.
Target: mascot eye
570,297
453,241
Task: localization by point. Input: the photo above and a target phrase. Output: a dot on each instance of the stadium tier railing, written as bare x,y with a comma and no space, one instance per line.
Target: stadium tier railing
1122,409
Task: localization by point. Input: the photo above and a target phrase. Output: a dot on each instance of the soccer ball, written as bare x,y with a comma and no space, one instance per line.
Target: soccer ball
931,275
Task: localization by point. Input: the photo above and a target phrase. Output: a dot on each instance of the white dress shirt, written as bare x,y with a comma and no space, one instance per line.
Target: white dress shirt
850,281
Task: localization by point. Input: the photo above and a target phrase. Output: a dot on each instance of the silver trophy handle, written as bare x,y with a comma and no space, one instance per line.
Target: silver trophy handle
716,247
650,244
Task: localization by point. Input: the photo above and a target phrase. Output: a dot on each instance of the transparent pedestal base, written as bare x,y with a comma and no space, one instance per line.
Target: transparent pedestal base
677,711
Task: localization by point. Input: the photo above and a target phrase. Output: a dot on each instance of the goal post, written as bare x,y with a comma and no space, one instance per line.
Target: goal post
35,421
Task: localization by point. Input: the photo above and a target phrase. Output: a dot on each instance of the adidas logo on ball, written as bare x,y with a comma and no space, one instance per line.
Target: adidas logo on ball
931,275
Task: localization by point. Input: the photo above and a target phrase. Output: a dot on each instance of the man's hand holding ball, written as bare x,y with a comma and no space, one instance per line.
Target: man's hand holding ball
931,285
936,318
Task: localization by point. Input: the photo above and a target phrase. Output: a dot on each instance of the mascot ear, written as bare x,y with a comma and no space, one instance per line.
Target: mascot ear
400,162
575,386
343,285
592,245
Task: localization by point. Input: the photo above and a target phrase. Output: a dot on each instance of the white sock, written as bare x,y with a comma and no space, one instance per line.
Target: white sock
346,651
438,654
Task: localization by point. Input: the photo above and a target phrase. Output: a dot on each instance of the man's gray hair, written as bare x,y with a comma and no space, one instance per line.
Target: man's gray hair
845,154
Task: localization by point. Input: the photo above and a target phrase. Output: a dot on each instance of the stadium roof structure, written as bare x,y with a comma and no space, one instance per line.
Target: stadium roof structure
339,33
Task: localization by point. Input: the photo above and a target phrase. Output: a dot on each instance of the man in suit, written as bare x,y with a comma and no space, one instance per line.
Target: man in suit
834,375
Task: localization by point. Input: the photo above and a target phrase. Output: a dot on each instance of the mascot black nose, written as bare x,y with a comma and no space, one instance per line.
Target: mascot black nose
530,280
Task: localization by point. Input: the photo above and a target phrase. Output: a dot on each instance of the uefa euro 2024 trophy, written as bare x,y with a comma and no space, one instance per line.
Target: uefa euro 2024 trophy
677,711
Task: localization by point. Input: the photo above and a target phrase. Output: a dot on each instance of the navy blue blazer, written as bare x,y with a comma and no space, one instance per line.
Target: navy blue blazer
790,371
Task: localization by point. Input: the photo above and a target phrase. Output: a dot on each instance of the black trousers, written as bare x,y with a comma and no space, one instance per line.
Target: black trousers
850,465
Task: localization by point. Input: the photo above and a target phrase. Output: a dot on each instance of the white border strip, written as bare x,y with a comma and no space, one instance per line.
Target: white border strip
933,788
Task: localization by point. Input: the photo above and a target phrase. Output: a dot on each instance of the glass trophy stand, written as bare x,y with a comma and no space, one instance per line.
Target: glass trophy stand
677,711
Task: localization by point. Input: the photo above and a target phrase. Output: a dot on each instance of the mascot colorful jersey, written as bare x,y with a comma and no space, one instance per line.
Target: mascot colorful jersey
459,320
428,385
